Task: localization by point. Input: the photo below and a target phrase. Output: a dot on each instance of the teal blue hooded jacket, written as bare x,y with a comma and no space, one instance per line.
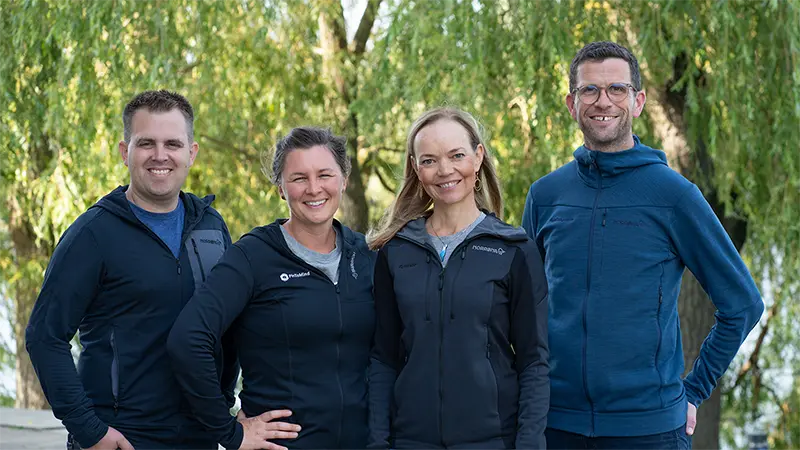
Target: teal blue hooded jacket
616,231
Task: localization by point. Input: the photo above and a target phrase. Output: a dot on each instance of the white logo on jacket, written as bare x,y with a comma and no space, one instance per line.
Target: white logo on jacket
353,266
499,251
285,276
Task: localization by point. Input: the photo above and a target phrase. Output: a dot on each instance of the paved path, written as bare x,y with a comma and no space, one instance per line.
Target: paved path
30,430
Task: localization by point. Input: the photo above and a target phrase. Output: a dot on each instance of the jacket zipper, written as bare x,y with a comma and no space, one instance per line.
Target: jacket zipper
441,355
430,250
588,290
114,371
338,368
311,268
427,284
199,260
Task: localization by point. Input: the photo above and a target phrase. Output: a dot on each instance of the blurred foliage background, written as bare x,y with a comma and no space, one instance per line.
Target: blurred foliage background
723,86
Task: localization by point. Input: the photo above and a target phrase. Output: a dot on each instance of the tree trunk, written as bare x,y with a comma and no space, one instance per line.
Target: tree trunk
29,391
339,68
697,317
694,307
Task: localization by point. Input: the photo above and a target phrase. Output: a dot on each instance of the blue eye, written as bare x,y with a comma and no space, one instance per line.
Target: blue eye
426,162
459,155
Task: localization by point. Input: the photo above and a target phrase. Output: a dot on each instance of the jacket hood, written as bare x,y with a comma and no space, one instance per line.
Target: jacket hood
116,203
492,226
271,234
595,167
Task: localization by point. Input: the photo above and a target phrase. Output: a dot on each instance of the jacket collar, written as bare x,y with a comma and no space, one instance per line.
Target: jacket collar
603,169
117,203
416,232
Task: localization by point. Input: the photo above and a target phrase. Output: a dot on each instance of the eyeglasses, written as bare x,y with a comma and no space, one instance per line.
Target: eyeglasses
590,93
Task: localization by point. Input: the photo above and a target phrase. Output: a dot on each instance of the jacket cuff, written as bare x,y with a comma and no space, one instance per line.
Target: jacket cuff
88,433
235,441
692,397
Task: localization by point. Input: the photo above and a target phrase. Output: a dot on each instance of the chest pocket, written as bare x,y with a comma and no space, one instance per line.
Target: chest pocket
204,248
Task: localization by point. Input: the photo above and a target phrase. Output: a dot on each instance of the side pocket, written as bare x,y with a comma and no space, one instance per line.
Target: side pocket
495,390
659,334
115,371
199,261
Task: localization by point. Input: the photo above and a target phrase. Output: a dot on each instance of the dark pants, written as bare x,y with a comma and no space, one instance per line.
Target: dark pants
671,440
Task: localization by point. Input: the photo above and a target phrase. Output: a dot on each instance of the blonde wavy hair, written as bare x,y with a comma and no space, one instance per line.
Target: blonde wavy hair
413,202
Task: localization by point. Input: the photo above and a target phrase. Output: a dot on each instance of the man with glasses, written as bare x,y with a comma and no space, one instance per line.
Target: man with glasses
617,227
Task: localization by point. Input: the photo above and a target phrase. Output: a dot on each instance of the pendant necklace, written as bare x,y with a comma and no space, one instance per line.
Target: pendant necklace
452,237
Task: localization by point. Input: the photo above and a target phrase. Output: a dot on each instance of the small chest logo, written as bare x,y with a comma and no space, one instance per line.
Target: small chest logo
285,276
630,223
353,266
498,251
211,241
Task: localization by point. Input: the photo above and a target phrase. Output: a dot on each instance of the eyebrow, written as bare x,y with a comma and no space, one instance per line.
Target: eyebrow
448,152
303,174
149,140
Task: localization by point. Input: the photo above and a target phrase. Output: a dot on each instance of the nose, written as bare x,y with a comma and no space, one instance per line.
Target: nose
160,153
314,186
604,100
445,167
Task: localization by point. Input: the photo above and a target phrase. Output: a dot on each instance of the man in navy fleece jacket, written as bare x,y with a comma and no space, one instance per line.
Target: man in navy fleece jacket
617,227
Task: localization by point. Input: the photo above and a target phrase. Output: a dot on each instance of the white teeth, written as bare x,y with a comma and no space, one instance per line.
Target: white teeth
317,203
448,185
160,171
602,118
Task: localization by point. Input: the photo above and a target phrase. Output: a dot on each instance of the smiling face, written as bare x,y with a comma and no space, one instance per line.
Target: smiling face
606,124
446,163
158,158
312,184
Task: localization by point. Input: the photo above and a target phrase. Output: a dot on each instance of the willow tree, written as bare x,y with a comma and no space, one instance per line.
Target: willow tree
724,102
722,82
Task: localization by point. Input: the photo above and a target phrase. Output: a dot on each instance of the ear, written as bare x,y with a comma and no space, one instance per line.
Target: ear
123,152
280,192
638,103
193,153
479,154
571,106
344,184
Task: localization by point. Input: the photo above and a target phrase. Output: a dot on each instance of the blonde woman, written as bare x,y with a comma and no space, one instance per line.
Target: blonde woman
460,351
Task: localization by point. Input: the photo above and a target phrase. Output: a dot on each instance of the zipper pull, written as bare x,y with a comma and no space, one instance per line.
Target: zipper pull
605,212
179,266
660,294
441,280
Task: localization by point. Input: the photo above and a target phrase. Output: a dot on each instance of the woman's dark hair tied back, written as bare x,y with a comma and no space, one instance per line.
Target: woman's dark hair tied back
305,138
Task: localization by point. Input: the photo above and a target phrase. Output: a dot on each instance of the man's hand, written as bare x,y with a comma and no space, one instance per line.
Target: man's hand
259,430
691,419
112,441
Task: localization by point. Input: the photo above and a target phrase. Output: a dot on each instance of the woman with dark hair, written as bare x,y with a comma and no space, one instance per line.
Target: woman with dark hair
460,354
297,295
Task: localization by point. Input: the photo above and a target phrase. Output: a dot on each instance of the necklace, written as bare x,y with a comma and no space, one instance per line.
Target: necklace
453,237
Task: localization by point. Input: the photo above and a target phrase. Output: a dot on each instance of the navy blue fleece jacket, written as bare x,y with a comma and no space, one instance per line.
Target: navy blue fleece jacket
460,356
117,283
303,342
617,231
